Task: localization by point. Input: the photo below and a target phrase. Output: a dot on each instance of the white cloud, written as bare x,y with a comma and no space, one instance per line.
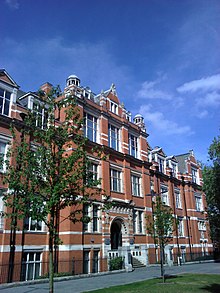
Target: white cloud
92,62
203,84
165,126
209,100
13,4
202,114
148,91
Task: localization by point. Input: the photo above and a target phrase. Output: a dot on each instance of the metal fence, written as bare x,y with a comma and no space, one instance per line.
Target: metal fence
183,258
38,269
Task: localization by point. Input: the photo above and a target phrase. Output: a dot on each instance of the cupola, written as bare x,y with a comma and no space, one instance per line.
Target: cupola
73,80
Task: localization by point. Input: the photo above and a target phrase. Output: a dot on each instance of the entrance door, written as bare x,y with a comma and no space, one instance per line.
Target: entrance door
116,235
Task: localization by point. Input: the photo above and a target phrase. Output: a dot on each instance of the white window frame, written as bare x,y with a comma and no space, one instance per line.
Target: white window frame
33,262
6,141
138,222
115,180
194,173
113,107
40,112
136,185
1,209
178,202
114,137
4,98
201,225
174,168
198,203
133,145
161,162
164,194
30,223
180,227
94,126
89,211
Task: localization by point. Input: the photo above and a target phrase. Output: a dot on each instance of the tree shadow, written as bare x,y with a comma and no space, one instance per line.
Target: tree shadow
213,288
171,276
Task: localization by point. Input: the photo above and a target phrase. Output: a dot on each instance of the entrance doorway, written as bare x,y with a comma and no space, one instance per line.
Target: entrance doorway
116,234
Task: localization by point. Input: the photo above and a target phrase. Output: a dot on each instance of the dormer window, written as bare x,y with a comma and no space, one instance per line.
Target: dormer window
113,107
194,175
40,114
161,165
4,102
174,169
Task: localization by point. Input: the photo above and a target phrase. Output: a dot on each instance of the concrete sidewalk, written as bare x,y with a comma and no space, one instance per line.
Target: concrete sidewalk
88,283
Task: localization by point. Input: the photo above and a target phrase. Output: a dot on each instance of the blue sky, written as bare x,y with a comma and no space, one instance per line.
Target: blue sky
162,55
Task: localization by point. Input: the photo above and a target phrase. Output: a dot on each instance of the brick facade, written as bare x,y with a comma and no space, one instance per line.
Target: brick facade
132,171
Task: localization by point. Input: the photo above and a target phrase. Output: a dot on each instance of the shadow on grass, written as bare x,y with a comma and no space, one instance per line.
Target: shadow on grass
171,277
213,288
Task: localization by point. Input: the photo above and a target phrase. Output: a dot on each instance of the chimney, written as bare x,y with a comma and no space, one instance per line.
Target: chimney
46,87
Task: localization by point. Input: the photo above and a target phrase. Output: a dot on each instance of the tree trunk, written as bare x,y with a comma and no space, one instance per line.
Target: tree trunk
162,262
51,264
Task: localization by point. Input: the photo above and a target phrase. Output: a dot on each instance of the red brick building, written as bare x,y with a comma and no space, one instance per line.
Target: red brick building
132,171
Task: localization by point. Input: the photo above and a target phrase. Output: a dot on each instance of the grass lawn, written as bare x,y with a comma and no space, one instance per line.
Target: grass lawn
186,283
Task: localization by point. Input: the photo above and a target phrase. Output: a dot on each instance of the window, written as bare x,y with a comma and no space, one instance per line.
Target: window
32,225
90,127
95,263
174,169
164,195
201,225
95,218
86,262
133,145
198,201
91,218
92,174
136,185
194,175
40,114
138,222
31,265
178,200
3,146
116,180
1,209
86,218
4,102
113,133
113,137
161,165
113,107
180,227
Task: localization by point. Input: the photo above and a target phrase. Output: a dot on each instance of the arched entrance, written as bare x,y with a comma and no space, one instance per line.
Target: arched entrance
116,234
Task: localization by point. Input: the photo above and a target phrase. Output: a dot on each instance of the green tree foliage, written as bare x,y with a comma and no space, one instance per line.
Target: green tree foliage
50,170
211,178
160,226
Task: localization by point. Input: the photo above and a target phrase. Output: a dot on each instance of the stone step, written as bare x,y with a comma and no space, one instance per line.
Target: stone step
137,263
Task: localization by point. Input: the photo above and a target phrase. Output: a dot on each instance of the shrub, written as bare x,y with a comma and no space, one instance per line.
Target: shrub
116,263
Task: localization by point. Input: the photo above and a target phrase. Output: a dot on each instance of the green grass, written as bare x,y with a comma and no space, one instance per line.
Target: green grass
187,283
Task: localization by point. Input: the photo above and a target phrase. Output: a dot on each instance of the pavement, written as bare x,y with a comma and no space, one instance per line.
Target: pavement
100,281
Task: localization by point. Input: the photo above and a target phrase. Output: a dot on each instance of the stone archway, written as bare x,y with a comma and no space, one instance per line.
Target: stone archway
116,234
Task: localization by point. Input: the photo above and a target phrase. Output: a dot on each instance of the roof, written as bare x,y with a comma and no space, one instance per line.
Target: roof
8,79
182,162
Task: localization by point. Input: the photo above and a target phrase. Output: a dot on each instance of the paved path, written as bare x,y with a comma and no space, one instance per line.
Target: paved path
78,285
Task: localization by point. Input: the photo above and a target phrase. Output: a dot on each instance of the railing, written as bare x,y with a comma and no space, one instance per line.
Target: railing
39,270
181,259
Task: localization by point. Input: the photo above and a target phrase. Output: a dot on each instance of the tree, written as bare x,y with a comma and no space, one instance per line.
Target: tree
48,171
160,226
211,187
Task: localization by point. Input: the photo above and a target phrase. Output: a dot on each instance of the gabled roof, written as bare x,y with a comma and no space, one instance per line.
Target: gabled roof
173,158
5,77
158,150
182,162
